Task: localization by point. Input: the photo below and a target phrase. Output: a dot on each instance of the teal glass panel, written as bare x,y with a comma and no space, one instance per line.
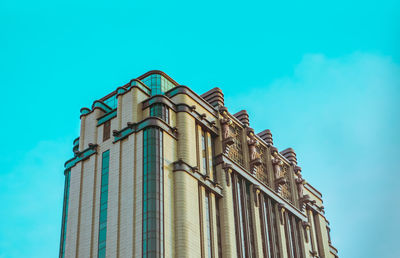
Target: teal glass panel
158,84
112,102
152,193
103,204
65,214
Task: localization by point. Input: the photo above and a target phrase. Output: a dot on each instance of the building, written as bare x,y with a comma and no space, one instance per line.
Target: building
159,171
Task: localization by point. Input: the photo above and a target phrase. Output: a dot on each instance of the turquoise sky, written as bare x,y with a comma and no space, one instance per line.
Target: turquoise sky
324,76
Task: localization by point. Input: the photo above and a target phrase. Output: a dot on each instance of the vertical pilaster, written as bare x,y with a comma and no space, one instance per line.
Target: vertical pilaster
255,204
126,197
228,231
187,230
73,210
86,209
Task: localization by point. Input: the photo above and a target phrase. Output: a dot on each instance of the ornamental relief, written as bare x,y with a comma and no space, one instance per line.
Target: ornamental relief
286,188
282,177
261,172
235,151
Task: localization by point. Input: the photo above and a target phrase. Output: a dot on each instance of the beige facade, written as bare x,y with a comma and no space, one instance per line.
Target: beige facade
159,171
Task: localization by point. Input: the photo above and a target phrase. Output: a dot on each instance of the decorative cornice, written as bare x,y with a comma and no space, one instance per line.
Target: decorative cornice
92,149
181,165
182,89
136,127
265,189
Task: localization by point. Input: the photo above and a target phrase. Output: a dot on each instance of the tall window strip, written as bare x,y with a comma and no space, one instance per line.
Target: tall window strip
160,110
274,221
206,153
203,153
267,227
208,224
249,216
65,214
106,130
153,191
218,216
105,161
293,239
158,84
243,214
210,155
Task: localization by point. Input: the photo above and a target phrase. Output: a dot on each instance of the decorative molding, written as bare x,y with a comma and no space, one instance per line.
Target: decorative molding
181,165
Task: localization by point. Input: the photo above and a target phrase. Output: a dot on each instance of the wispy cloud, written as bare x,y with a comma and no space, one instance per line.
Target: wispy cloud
342,116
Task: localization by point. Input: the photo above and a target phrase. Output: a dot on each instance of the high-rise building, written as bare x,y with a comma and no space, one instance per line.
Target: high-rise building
159,171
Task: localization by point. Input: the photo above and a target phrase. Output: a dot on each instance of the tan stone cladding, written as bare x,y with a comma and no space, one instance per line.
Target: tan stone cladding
226,191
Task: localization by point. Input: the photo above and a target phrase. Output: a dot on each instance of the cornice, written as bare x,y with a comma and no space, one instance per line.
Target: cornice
182,89
181,165
272,194
147,122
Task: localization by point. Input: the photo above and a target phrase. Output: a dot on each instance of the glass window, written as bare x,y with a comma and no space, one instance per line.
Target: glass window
153,210
103,204
208,224
218,227
106,130
293,239
112,101
65,213
244,219
205,152
158,84
160,110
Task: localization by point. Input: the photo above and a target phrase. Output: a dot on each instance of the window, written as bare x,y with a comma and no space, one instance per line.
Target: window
158,84
208,224
217,215
243,214
106,130
65,213
160,110
153,209
268,223
112,101
103,204
206,151
293,239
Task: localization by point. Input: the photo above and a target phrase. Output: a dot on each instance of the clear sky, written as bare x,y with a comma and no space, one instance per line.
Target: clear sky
324,76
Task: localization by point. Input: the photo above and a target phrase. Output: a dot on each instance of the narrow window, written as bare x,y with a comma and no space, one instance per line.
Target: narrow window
106,130
217,215
65,214
210,156
249,220
243,214
275,223
266,228
239,218
153,209
203,153
288,234
208,224
103,204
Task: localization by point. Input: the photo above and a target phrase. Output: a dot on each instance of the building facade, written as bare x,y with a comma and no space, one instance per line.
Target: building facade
159,171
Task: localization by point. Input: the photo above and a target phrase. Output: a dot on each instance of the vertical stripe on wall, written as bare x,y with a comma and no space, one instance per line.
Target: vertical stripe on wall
153,191
103,204
65,213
